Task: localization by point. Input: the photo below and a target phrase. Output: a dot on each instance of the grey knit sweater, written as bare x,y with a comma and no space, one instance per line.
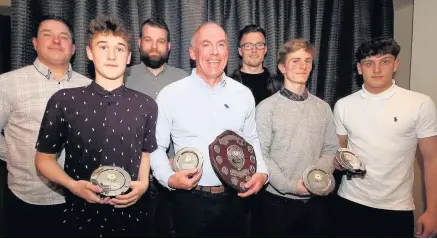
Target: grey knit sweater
293,136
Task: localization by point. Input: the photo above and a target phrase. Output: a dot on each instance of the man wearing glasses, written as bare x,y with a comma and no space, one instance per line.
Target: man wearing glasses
252,50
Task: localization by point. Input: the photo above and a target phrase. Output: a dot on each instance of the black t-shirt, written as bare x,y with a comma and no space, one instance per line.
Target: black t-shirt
257,83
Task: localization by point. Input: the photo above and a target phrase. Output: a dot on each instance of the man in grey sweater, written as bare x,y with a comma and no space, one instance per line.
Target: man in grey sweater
296,130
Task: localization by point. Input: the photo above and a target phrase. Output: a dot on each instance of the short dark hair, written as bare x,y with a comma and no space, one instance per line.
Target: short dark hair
55,18
377,46
104,24
248,29
156,22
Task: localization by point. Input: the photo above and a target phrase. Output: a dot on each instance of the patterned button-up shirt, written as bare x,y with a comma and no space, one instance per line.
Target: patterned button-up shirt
23,97
293,96
98,127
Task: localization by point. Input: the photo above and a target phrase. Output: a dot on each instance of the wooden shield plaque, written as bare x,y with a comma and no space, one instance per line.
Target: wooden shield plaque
233,159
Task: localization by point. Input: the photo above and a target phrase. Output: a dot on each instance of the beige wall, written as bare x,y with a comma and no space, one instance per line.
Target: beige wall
5,3
403,28
423,67
423,59
415,31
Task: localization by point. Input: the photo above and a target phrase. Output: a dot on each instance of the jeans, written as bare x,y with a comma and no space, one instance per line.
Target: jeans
205,214
357,220
29,220
160,210
278,216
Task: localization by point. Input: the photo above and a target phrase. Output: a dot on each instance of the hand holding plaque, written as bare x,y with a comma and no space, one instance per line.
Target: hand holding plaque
233,159
350,162
187,158
113,180
317,181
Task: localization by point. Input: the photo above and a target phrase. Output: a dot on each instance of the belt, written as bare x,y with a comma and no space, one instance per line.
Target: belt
211,189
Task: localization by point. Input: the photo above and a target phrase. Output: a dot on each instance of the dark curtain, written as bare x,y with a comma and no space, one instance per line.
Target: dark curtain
5,43
5,66
335,27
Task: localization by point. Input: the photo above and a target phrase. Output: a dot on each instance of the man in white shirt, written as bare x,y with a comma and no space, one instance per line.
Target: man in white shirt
194,111
382,124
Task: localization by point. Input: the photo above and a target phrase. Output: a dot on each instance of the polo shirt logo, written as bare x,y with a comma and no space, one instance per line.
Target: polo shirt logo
395,119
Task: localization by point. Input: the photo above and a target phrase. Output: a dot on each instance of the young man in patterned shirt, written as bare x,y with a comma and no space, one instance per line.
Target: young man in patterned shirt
103,124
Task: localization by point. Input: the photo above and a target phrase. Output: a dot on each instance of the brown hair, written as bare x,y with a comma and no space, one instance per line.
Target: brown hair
292,46
105,25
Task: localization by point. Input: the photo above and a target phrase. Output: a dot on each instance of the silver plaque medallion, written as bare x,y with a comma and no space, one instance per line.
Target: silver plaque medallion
350,162
317,181
113,180
187,158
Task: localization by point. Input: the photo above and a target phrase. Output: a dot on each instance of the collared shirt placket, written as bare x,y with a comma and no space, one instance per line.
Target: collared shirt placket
106,100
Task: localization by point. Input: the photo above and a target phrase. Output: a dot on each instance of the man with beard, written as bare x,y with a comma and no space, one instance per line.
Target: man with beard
252,50
153,73
149,77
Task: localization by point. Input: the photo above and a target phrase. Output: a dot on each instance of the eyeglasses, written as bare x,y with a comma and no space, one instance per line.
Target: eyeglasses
250,46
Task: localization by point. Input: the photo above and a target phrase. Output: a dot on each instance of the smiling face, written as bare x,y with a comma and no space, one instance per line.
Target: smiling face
210,51
297,67
377,72
252,49
54,43
110,55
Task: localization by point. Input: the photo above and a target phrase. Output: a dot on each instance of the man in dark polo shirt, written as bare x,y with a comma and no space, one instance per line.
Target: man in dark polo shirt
149,77
102,124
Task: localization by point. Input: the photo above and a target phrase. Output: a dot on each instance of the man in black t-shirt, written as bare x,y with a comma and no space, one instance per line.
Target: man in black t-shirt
252,49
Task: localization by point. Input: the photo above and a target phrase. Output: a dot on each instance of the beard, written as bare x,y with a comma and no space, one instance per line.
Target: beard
153,62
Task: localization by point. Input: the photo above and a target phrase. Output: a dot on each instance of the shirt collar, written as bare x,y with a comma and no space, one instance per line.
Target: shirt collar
47,73
383,95
102,91
203,84
293,96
